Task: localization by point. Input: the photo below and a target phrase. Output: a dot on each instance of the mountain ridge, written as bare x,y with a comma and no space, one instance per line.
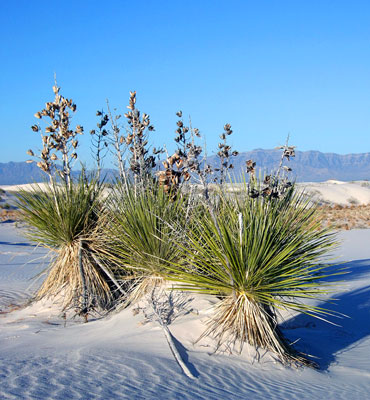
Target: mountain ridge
307,166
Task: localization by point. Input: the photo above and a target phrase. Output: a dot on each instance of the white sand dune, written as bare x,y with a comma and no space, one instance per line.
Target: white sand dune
26,187
119,357
331,191
337,192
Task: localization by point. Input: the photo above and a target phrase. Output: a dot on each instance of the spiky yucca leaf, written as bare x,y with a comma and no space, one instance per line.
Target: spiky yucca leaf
59,214
145,226
257,255
64,218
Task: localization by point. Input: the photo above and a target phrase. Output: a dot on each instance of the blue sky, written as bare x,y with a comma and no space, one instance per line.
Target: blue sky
269,68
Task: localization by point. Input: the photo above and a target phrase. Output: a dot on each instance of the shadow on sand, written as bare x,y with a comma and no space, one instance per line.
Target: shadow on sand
184,355
325,341
24,244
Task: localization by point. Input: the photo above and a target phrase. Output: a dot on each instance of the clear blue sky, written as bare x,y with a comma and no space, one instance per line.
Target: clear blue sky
267,67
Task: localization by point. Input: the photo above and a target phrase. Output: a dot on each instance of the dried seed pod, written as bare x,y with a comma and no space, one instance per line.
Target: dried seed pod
186,176
43,165
250,166
74,155
35,128
165,164
79,129
49,129
53,157
74,143
179,164
38,115
266,191
29,161
30,153
56,89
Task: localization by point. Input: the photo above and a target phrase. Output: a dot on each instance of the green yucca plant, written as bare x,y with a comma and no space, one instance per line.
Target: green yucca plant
145,225
257,256
63,217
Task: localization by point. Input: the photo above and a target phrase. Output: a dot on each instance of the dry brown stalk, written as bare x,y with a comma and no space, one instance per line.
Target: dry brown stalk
58,139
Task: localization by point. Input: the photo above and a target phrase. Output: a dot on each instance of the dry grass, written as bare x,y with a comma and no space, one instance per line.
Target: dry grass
345,217
10,215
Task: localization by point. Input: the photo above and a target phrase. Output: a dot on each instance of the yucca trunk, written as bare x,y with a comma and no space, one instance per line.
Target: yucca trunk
67,280
239,319
141,286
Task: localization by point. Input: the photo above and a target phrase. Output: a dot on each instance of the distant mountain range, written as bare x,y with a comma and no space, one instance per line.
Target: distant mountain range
307,166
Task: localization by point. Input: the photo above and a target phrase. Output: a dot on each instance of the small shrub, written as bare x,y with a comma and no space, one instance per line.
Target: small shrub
256,256
143,230
353,201
64,218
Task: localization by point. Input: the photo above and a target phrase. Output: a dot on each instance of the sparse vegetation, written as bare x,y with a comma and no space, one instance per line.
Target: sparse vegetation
345,217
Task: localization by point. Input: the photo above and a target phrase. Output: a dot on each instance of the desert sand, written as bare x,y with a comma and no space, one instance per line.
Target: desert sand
42,356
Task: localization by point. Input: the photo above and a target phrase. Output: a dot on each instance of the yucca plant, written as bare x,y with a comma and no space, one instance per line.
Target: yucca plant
257,255
63,217
145,225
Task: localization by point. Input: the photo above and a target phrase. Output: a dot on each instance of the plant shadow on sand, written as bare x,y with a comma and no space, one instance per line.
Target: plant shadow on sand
23,244
184,355
326,341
